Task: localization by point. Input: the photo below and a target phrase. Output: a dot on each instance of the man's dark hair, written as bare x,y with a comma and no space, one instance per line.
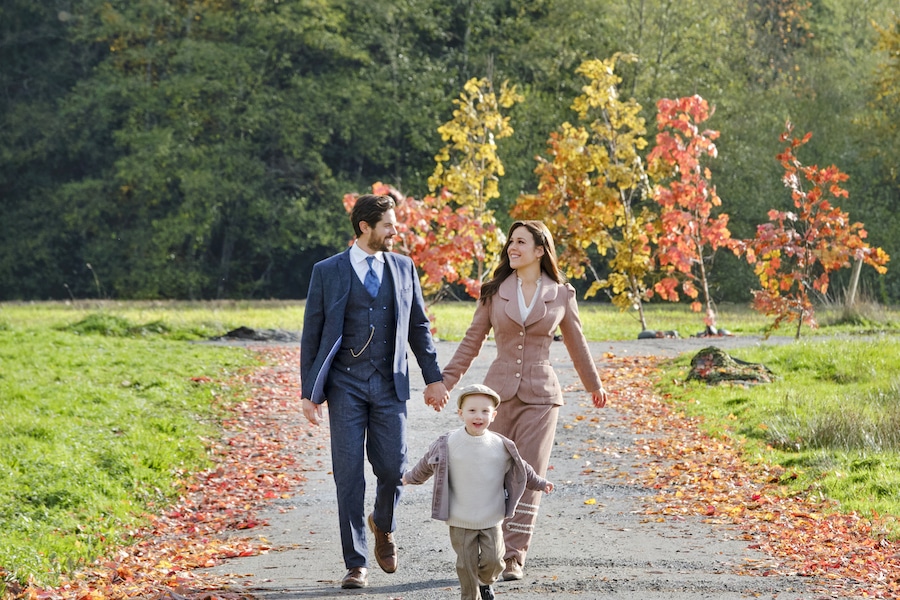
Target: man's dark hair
369,208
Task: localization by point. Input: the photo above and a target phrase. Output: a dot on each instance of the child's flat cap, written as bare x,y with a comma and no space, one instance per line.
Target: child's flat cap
477,388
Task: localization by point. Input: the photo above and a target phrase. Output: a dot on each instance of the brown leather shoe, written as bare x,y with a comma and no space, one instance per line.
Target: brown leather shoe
513,570
385,548
356,577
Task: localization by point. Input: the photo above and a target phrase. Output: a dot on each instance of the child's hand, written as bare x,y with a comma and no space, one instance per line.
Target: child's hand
403,480
548,488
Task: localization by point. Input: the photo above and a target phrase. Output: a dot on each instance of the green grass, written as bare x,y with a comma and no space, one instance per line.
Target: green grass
832,418
184,320
100,419
605,322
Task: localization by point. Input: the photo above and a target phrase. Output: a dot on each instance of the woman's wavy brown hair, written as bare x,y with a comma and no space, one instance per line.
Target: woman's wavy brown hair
542,237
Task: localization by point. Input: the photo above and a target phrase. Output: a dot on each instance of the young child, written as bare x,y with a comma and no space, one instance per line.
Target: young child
479,478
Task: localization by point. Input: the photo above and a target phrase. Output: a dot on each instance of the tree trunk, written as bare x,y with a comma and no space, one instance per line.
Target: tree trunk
854,284
636,291
710,311
225,264
640,307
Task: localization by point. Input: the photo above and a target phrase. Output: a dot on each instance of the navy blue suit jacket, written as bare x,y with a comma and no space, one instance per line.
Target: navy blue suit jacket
323,323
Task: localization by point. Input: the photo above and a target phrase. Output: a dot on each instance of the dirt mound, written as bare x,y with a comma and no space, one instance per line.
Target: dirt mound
260,335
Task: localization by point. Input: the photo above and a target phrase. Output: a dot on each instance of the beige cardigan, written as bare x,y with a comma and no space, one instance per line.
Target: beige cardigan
522,367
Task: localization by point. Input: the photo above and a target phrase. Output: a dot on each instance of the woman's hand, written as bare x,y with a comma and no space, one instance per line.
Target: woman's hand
599,397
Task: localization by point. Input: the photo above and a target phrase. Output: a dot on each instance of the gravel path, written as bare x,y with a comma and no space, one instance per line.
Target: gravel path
606,550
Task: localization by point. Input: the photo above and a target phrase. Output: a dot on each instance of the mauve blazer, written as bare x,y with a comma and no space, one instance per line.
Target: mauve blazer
323,323
522,367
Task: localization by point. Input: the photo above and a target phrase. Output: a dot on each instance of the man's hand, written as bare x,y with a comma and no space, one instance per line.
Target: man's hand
436,395
312,411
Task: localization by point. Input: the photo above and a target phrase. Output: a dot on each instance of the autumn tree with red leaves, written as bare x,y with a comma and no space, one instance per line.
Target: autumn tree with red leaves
690,231
795,252
593,190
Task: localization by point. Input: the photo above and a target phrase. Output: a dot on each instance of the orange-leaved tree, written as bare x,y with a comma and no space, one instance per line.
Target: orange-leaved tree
690,230
593,191
795,252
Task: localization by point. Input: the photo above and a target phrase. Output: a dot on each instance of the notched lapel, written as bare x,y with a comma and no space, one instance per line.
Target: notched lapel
508,292
549,292
343,281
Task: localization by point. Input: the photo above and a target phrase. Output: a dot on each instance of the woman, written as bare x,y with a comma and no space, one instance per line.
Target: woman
525,302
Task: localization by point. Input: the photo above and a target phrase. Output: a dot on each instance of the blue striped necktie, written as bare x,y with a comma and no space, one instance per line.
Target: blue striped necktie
372,284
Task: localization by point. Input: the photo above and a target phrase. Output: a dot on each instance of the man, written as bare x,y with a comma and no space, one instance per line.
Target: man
363,310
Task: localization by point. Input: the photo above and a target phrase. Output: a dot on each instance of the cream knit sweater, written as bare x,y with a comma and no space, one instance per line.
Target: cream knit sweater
478,464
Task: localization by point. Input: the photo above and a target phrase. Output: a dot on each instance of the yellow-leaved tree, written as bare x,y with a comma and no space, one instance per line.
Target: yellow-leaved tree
593,190
468,172
451,234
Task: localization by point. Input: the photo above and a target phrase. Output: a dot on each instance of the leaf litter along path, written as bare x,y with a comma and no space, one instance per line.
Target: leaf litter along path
645,507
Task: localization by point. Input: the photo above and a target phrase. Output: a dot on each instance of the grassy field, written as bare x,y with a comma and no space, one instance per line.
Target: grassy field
831,417
100,416
202,320
102,411
175,320
604,322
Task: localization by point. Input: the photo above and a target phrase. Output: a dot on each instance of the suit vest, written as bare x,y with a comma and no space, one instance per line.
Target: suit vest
370,326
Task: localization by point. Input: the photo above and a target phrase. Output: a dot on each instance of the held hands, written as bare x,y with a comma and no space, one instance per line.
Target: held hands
436,395
312,411
600,397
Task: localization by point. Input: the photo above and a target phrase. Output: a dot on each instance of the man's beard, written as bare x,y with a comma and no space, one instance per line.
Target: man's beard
381,244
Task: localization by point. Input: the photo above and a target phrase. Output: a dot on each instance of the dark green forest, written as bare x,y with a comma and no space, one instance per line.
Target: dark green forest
199,149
